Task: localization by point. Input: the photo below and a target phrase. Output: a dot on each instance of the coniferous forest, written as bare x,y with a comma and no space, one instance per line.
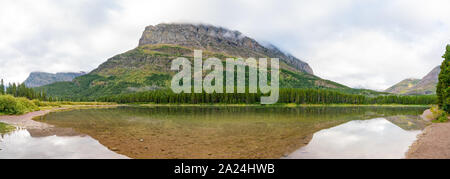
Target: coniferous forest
297,96
20,90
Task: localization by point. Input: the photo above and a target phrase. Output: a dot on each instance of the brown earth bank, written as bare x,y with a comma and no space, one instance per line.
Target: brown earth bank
433,143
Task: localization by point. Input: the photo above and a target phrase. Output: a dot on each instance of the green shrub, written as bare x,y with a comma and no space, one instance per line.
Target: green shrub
443,117
12,105
28,106
7,104
435,112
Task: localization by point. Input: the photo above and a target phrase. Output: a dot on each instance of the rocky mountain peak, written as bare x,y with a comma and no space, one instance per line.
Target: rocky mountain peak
37,79
216,39
188,34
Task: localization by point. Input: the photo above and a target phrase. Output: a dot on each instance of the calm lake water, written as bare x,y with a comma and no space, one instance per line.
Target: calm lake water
369,139
21,144
226,132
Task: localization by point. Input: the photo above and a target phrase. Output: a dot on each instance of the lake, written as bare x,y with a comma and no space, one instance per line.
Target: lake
24,144
222,132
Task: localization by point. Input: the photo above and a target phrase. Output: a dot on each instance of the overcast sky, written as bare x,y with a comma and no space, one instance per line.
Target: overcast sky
360,43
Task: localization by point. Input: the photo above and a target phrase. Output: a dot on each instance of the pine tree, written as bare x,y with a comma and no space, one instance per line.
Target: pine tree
2,88
443,88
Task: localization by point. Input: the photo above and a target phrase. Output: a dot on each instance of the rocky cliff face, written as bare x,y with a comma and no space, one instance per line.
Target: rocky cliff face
37,79
426,85
216,39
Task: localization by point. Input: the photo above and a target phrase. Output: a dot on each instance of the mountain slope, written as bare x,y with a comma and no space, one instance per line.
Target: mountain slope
37,79
147,67
427,85
424,86
403,86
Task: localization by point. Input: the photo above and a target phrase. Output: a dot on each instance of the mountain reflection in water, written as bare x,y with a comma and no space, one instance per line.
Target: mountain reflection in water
22,144
375,138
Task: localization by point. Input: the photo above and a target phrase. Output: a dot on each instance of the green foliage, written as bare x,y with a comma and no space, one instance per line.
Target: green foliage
443,117
289,79
157,79
85,88
437,114
12,105
5,128
2,87
443,87
297,96
62,103
20,90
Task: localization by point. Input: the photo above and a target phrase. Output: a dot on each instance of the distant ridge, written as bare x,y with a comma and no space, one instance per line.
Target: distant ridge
403,86
37,79
426,85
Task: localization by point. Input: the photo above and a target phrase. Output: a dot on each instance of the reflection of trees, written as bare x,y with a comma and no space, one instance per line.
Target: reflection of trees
408,122
53,131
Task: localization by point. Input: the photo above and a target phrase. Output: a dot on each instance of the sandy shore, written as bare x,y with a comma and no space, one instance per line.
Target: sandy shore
433,143
39,129
25,120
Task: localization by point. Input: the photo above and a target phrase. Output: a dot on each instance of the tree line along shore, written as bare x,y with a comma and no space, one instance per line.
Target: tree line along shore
20,101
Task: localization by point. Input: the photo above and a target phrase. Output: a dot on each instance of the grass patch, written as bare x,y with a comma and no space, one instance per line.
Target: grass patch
68,103
5,128
442,118
10,105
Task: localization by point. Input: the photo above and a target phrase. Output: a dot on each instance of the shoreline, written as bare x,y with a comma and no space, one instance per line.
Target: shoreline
26,120
433,143
274,105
